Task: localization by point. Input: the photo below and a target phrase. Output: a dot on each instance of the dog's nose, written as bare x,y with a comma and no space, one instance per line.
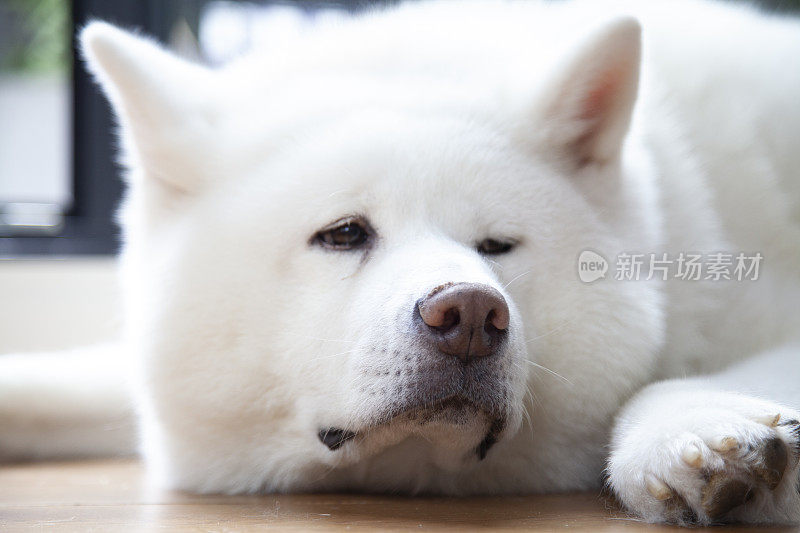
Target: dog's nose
464,319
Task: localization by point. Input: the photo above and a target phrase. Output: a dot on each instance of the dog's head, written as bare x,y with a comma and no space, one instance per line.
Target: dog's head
327,264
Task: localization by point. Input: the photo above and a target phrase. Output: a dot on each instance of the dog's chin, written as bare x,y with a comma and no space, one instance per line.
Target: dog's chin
453,431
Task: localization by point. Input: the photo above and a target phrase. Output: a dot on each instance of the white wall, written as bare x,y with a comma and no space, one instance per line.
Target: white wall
35,139
56,304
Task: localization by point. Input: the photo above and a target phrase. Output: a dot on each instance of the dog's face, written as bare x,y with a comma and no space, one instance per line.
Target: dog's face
386,288
319,278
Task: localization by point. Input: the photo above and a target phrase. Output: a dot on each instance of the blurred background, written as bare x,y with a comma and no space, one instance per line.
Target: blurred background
59,184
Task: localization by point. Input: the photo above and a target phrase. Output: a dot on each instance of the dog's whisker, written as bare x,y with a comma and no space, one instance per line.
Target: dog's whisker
553,372
339,191
554,330
496,267
517,277
331,356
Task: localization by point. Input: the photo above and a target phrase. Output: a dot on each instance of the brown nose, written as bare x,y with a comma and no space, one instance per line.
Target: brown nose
465,319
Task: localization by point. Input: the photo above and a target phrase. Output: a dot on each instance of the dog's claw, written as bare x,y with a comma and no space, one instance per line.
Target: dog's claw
724,444
692,456
658,489
768,420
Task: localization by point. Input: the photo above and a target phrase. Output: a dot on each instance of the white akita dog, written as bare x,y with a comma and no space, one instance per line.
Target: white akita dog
391,255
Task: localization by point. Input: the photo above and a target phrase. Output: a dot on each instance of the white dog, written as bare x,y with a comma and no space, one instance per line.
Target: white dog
450,248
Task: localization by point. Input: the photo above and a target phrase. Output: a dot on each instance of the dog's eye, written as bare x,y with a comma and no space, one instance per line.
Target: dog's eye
345,234
494,247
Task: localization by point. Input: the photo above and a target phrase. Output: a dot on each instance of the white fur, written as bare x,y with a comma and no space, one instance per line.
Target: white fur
65,404
445,125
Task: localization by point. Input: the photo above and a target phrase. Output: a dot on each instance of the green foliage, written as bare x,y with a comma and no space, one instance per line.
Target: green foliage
37,37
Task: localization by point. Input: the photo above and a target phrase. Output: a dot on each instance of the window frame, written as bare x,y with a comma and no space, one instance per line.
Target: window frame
88,226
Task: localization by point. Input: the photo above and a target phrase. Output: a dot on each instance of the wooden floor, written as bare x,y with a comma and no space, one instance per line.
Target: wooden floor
113,496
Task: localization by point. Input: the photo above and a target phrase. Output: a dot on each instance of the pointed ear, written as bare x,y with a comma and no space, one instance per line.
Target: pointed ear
587,109
162,102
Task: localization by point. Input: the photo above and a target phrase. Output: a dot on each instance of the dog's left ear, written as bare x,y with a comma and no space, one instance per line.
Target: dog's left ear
162,102
586,111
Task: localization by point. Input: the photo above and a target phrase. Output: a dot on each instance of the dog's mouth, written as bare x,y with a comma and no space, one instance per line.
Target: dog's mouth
454,410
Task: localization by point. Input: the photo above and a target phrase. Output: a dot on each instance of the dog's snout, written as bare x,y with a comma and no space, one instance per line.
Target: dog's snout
464,319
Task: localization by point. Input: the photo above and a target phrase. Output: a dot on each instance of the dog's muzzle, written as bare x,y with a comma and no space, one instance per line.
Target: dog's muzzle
454,369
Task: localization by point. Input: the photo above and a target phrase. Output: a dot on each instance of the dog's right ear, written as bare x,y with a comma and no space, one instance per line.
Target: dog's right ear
586,109
163,103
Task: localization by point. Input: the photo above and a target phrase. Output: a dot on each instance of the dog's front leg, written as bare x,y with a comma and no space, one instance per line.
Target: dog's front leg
715,449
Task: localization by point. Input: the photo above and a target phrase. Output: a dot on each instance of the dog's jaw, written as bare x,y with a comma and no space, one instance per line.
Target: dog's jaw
454,410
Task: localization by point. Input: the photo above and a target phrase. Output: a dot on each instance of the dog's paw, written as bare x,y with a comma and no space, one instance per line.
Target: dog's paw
711,464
